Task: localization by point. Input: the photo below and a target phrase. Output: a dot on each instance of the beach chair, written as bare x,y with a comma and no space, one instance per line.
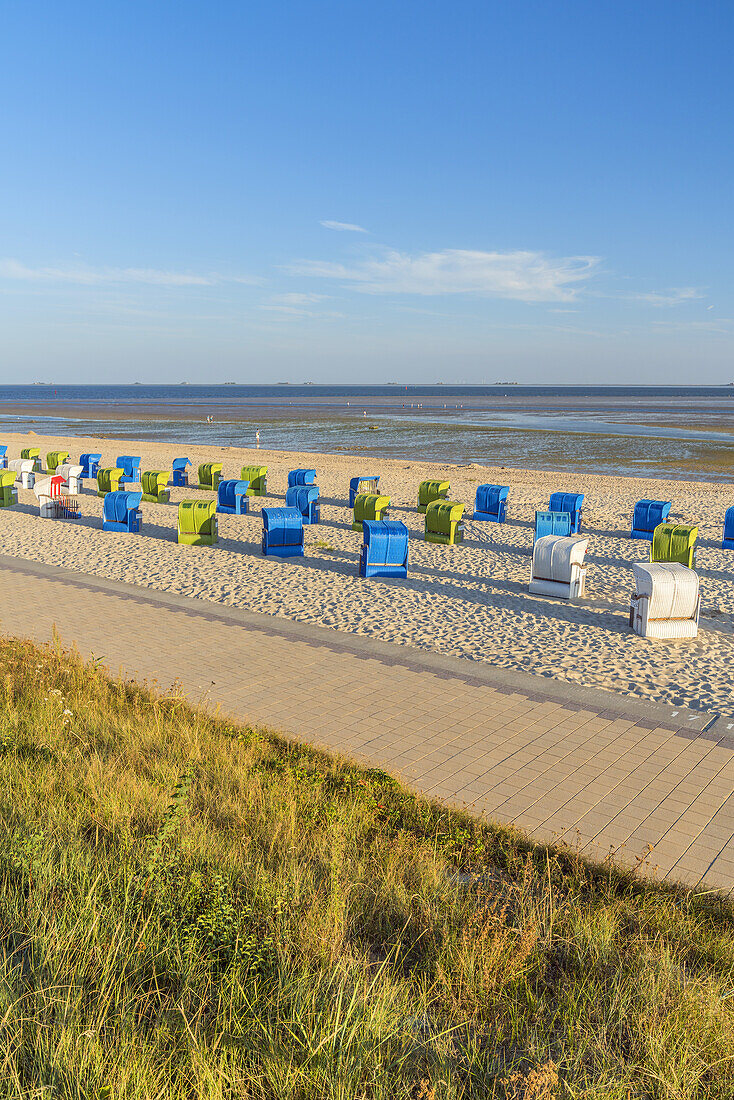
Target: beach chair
552,523
385,549
72,475
282,532
3,457
197,522
210,474
301,477
8,492
121,511
180,478
365,483
34,454
727,543
306,499
130,466
444,522
666,602
48,494
490,503
154,484
558,567
647,515
232,497
674,542
368,506
571,503
108,479
258,479
89,464
429,491
25,471
54,459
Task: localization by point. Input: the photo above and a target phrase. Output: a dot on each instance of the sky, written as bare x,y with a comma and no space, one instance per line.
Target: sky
341,192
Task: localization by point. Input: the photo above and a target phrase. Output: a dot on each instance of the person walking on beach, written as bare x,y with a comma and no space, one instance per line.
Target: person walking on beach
257,437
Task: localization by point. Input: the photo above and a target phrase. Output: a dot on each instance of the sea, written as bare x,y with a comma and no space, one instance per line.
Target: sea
662,431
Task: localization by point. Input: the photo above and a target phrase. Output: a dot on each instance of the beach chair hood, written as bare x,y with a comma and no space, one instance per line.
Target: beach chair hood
671,588
554,557
117,505
195,515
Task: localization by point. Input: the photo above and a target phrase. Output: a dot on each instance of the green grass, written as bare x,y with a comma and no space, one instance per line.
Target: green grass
193,909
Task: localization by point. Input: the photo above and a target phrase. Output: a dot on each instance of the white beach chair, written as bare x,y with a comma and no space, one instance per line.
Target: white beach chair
48,492
24,471
72,475
666,601
558,567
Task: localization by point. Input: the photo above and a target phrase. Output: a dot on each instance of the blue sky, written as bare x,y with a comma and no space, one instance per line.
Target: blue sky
348,191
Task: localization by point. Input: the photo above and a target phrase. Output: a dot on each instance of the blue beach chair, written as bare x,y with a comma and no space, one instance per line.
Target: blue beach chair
301,477
365,483
179,466
130,466
89,464
306,499
648,514
385,548
3,458
282,532
491,503
727,542
552,523
121,511
571,503
232,497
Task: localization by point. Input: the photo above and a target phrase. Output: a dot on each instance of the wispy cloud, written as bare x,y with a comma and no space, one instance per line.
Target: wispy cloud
675,296
83,275
296,305
524,276
343,227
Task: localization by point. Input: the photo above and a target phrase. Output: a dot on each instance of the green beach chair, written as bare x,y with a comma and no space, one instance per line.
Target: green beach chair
108,480
429,491
154,484
368,506
54,459
443,522
34,453
210,474
8,492
674,542
197,522
258,479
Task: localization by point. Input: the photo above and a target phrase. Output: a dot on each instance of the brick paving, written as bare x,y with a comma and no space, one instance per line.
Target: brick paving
599,771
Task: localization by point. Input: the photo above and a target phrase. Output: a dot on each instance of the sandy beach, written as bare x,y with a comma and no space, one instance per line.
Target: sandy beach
469,600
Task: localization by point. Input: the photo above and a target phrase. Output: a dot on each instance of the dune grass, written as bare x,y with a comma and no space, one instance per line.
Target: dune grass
194,909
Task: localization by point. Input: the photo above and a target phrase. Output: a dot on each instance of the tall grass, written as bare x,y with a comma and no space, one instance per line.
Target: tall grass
193,909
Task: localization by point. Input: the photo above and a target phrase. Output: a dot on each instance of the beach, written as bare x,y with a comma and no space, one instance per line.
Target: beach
469,600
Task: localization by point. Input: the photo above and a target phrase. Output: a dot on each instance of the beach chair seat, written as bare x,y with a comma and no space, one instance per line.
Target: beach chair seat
571,503
130,466
490,504
368,506
646,516
154,484
666,601
727,543
48,493
8,492
384,549
72,475
179,476
306,499
108,479
552,523
301,477
428,491
282,532
444,522
25,471
365,483
3,457
232,497
54,459
258,479
674,542
210,474
197,522
33,453
558,567
121,511
89,463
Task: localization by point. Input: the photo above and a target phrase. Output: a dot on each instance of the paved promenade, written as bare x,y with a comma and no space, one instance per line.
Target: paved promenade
562,762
